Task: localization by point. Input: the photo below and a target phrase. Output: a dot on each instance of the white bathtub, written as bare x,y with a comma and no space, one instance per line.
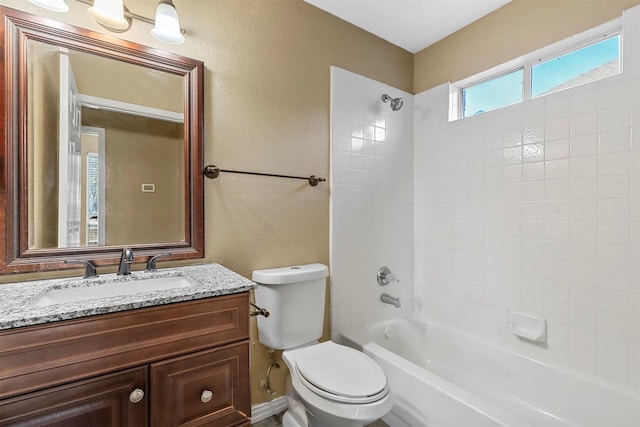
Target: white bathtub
444,378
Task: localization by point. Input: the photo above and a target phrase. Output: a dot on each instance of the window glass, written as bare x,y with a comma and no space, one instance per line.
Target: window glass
590,56
492,94
581,66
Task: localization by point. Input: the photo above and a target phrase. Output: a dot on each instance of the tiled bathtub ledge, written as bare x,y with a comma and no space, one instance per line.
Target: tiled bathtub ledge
209,280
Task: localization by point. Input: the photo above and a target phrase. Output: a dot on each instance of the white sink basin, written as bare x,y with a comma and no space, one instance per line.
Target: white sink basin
75,294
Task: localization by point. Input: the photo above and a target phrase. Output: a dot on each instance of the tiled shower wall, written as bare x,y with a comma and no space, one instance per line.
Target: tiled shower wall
371,200
536,208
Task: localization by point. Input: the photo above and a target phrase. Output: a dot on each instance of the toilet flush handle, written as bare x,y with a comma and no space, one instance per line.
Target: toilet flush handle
261,311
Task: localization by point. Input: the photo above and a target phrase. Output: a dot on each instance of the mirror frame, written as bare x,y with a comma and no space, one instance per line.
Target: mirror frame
16,28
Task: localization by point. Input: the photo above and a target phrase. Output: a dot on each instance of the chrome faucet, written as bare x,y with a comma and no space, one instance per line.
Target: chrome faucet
125,262
388,299
151,264
90,269
385,276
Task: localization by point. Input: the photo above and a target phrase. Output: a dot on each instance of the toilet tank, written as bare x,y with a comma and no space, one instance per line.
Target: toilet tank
294,297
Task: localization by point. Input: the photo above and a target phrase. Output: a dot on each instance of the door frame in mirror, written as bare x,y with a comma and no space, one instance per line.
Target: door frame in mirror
16,28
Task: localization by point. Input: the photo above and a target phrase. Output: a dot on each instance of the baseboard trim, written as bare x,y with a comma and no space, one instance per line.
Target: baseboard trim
262,411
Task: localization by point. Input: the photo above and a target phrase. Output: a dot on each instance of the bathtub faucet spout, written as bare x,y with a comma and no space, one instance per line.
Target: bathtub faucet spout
388,299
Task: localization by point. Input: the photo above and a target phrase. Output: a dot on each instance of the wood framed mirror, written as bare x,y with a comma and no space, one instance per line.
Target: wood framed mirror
101,149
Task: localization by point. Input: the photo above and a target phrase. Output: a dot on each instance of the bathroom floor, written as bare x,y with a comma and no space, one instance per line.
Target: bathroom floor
275,421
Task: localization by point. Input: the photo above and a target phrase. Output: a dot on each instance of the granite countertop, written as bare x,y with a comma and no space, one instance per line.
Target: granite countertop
19,301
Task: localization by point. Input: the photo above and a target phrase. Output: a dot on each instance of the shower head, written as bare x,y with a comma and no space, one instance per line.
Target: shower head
396,103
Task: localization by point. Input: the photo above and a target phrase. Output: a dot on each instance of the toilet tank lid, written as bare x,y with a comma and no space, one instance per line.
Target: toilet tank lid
293,274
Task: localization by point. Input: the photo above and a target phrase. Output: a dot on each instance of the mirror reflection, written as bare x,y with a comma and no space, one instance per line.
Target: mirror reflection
103,147
105,151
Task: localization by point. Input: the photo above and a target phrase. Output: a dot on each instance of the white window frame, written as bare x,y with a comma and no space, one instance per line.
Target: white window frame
527,62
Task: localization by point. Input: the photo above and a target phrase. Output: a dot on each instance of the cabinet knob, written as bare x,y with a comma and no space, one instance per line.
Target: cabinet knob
206,396
136,396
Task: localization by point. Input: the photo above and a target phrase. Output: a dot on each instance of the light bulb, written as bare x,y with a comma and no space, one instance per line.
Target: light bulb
167,28
55,5
109,13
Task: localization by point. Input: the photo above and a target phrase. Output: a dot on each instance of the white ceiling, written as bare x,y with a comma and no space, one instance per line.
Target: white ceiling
410,24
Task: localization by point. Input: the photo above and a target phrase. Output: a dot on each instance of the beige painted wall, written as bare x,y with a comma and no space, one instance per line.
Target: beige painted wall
266,109
519,27
127,82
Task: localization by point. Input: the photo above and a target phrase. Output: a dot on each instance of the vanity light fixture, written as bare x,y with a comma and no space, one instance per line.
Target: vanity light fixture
114,16
110,14
167,27
55,5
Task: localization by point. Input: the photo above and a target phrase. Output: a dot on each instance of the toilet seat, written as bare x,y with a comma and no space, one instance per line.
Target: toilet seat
340,373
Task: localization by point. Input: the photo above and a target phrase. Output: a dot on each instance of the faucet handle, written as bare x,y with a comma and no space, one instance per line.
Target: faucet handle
126,259
151,264
385,276
90,269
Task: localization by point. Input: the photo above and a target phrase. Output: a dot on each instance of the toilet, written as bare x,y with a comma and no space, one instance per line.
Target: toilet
332,385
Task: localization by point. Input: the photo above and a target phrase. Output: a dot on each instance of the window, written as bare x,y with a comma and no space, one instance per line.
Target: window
579,60
581,66
93,187
482,97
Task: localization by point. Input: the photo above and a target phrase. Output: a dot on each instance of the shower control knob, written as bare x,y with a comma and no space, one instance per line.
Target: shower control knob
385,276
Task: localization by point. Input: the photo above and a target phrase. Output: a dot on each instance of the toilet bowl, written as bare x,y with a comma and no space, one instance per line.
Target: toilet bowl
331,385
337,385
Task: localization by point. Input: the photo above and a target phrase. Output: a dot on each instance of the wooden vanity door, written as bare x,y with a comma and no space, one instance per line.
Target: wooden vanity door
96,402
209,388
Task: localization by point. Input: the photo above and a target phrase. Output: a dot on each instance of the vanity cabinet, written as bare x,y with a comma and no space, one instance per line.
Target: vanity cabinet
177,364
200,386
94,402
